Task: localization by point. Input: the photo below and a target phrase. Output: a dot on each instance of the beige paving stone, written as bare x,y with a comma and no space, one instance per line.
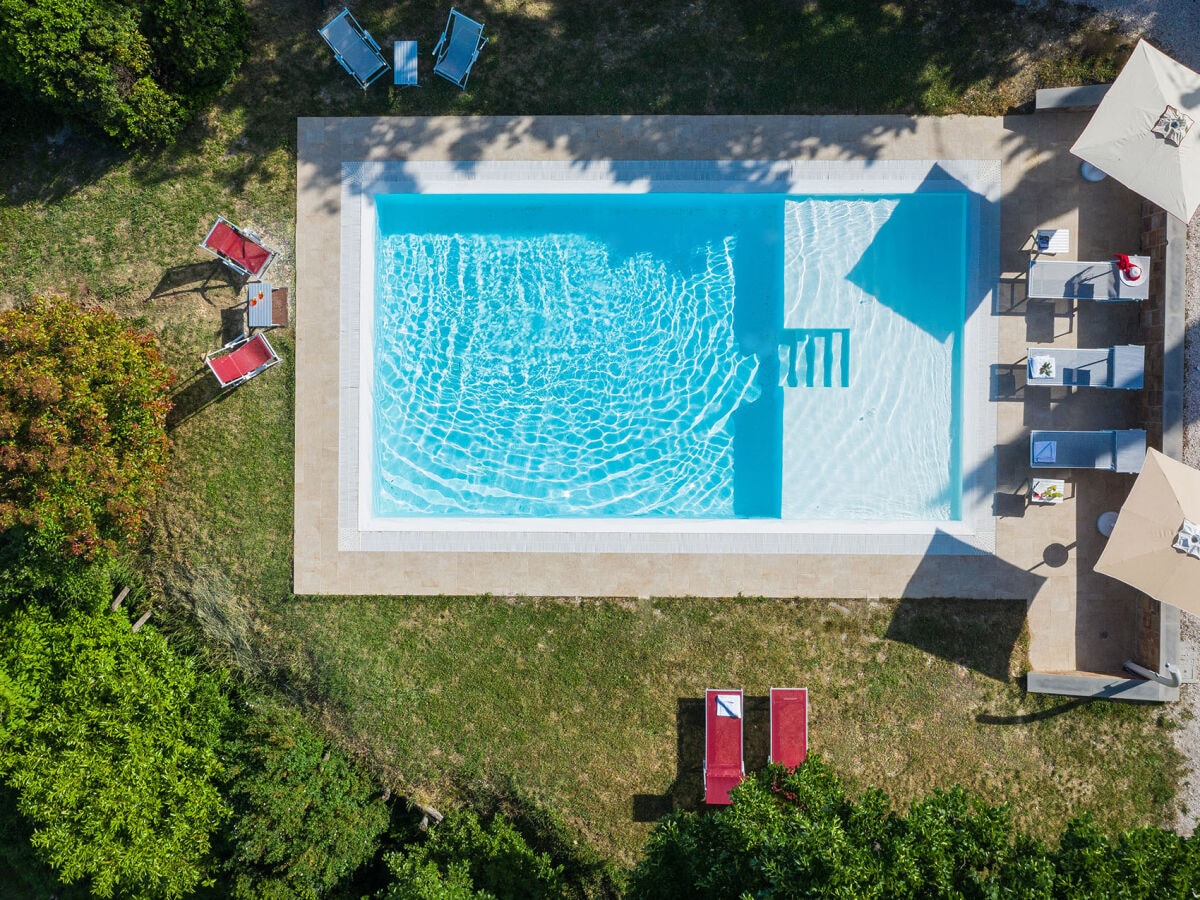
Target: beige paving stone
1075,617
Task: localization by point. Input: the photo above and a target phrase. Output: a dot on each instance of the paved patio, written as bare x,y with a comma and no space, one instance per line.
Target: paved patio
1078,620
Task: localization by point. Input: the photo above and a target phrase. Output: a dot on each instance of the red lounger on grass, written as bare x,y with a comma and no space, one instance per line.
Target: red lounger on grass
789,726
242,360
241,250
723,766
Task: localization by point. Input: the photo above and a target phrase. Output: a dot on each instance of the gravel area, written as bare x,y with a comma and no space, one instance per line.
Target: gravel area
1172,26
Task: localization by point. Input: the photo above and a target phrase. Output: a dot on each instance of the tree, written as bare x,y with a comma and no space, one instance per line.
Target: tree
463,857
83,444
796,834
137,69
304,816
110,743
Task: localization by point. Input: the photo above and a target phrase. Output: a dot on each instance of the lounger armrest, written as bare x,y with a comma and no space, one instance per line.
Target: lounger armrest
441,41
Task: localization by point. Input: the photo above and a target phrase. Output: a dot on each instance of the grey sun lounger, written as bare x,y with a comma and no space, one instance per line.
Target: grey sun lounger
1111,367
1117,451
458,48
354,49
1053,279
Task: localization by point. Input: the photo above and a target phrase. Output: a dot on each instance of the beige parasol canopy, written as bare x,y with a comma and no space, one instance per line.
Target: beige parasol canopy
1140,134
1141,550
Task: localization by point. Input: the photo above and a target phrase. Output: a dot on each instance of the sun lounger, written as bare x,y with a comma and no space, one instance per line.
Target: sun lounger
239,249
240,360
723,765
1052,279
354,49
789,726
1117,451
1113,367
458,48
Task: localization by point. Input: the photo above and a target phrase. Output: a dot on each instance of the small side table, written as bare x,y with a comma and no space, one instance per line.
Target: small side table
258,304
1047,490
404,62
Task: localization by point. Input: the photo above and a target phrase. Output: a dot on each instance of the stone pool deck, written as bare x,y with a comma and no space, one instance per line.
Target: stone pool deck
1078,620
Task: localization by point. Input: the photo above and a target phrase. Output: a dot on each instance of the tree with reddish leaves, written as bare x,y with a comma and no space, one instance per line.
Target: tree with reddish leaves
83,442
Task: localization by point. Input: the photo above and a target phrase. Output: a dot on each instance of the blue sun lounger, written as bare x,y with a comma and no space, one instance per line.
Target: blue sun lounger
354,49
1117,451
458,48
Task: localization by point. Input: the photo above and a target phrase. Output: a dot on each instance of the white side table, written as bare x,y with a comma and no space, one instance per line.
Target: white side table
1047,490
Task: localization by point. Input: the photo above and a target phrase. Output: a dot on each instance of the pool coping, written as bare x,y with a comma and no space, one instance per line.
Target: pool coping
362,181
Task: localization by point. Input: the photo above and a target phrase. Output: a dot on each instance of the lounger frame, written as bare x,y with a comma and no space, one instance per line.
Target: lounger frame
720,775
1053,279
462,36
230,261
1122,367
233,347
789,726
1115,451
346,38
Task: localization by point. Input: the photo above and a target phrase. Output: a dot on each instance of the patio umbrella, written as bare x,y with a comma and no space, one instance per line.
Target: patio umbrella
1161,513
1143,133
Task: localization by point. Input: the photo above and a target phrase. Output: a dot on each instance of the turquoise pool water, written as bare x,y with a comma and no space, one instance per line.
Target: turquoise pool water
668,355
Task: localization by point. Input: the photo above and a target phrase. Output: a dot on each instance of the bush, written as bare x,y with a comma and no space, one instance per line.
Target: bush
110,743
462,857
137,69
304,817
83,444
795,834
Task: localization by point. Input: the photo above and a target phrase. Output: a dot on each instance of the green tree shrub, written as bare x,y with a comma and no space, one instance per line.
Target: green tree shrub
83,444
462,857
137,69
110,743
795,834
304,817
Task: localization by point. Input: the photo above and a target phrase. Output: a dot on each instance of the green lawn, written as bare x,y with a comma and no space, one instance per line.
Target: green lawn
587,707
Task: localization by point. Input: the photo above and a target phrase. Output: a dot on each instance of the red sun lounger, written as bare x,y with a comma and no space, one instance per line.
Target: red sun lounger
723,766
241,250
789,726
241,360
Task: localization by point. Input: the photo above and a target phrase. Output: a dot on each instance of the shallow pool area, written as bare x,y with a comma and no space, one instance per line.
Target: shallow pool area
700,355
717,357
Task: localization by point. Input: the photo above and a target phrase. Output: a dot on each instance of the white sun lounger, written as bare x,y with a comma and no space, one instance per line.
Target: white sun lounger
1052,279
1110,367
1117,451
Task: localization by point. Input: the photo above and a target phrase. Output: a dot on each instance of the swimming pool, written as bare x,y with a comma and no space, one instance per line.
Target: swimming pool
667,357
674,355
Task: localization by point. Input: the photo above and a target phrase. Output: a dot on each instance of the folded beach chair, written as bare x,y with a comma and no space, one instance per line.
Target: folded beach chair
458,48
240,360
1113,367
1052,279
1117,451
354,49
723,766
789,726
241,250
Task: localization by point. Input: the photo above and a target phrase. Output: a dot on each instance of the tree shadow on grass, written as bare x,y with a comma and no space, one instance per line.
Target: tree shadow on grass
978,634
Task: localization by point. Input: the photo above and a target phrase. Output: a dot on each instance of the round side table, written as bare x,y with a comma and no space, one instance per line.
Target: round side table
1106,523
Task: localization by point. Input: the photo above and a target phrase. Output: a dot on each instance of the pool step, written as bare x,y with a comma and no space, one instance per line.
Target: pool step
814,357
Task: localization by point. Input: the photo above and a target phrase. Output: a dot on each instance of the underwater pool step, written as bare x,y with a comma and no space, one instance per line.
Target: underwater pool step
814,357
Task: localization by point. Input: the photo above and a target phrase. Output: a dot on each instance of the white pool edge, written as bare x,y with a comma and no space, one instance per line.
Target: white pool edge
358,530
